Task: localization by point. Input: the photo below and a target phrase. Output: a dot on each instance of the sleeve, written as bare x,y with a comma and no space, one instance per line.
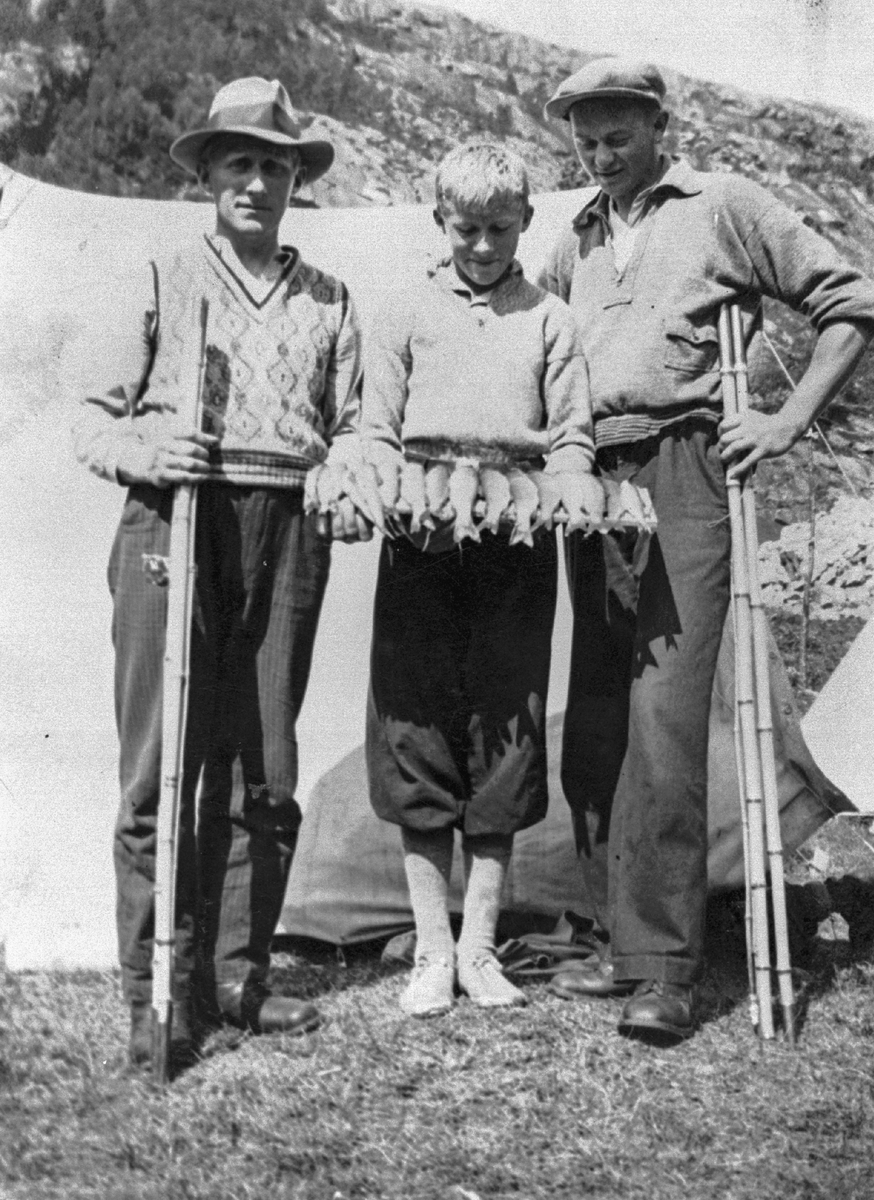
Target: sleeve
342,396
105,436
566,396
557,272
797,266
387,365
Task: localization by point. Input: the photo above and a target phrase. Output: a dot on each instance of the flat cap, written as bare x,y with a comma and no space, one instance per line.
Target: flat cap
606,78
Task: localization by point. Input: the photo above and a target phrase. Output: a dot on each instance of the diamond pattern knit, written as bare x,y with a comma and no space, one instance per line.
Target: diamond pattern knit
281,379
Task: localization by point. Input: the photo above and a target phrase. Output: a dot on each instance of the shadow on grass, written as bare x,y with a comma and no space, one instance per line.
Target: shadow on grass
831,927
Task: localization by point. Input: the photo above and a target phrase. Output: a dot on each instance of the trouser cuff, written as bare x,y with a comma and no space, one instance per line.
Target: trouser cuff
660,967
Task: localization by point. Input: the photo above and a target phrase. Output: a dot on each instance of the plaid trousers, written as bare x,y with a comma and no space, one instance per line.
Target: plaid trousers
261,576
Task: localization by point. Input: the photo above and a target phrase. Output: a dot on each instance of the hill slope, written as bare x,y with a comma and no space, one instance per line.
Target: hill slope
91,99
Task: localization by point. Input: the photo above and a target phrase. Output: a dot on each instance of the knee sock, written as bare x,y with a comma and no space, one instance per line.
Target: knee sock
428,863
486,860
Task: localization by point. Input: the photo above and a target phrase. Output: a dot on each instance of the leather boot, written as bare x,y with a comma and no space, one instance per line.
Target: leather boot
183,1040
589,980
663,1009
253,1008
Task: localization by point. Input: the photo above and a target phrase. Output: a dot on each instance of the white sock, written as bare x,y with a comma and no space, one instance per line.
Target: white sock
486,860
428,864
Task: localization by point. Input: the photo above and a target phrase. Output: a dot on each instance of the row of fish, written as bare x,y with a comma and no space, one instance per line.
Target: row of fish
474,497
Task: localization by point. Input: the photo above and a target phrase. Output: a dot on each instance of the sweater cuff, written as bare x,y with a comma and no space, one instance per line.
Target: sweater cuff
134,460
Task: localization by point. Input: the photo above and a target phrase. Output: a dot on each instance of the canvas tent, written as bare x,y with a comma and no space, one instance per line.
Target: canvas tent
839,727
71,268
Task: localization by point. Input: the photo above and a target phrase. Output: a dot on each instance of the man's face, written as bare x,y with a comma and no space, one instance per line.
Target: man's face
483,243
251,183
619,145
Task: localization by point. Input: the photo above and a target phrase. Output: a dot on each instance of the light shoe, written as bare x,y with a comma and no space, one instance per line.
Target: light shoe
431,991
484,982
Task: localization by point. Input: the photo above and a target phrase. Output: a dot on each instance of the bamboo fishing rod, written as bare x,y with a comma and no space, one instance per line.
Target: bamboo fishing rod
754,732
180,601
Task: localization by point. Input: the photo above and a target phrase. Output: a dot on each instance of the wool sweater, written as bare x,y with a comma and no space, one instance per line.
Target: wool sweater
499,376
650,334
282,371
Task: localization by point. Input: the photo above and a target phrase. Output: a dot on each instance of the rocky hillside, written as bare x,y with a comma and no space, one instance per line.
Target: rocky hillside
93,91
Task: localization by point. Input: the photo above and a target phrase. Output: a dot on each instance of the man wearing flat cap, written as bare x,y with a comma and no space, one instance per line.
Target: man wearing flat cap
280,394
646,267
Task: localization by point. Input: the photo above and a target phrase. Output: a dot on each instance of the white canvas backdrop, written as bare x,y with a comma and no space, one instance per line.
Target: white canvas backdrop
70,269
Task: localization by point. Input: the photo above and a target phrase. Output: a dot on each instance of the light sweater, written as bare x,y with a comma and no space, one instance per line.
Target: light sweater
650,333
498,376
281,380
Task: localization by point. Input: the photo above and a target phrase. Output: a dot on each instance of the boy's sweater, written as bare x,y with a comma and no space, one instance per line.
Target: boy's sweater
498,376
650,333
281,381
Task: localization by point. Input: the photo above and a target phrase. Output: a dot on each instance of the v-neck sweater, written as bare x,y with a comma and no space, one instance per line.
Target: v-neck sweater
650,333
499,376
281,379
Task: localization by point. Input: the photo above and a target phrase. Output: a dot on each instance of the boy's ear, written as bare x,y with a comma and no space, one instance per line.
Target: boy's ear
438,220
526,219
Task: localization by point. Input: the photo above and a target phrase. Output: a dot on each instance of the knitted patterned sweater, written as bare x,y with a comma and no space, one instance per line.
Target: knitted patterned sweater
281,381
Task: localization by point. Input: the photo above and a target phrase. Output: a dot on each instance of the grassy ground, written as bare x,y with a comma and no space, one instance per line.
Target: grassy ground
542,1102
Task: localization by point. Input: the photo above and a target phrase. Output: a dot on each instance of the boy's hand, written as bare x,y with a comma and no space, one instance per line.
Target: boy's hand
178,458
346,524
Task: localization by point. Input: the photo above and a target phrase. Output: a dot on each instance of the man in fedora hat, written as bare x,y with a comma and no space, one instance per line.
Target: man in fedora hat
646,267
280,394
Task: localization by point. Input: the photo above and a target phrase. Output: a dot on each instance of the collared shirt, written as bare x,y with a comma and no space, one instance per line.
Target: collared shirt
650,334
499,376
624,230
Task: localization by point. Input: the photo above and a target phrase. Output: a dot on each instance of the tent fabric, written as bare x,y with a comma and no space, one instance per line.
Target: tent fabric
347,882
73,283
846,703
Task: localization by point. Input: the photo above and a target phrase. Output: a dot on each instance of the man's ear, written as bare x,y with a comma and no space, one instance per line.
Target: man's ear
438,220
661,124
526,219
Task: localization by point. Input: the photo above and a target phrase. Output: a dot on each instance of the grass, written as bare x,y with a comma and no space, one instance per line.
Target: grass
542,1102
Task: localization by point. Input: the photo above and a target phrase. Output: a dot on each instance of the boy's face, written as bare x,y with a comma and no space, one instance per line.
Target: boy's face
251,183
483,242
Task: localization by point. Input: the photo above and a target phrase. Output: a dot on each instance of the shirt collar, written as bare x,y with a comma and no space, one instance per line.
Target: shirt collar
679,177
446,276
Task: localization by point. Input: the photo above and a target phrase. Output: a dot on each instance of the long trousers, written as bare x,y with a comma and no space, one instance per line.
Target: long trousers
261,575
647,628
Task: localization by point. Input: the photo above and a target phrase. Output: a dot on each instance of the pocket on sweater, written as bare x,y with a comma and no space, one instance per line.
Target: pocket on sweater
692,349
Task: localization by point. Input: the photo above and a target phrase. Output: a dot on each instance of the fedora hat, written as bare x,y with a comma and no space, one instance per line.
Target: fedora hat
608,78
260,108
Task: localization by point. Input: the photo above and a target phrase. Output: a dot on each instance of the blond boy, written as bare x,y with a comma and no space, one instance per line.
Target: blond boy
472,361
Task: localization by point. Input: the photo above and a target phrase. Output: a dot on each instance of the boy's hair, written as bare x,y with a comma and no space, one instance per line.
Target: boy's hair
480,175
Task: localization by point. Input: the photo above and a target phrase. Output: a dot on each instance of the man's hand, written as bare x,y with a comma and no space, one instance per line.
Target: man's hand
346,524
178,458
744,441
